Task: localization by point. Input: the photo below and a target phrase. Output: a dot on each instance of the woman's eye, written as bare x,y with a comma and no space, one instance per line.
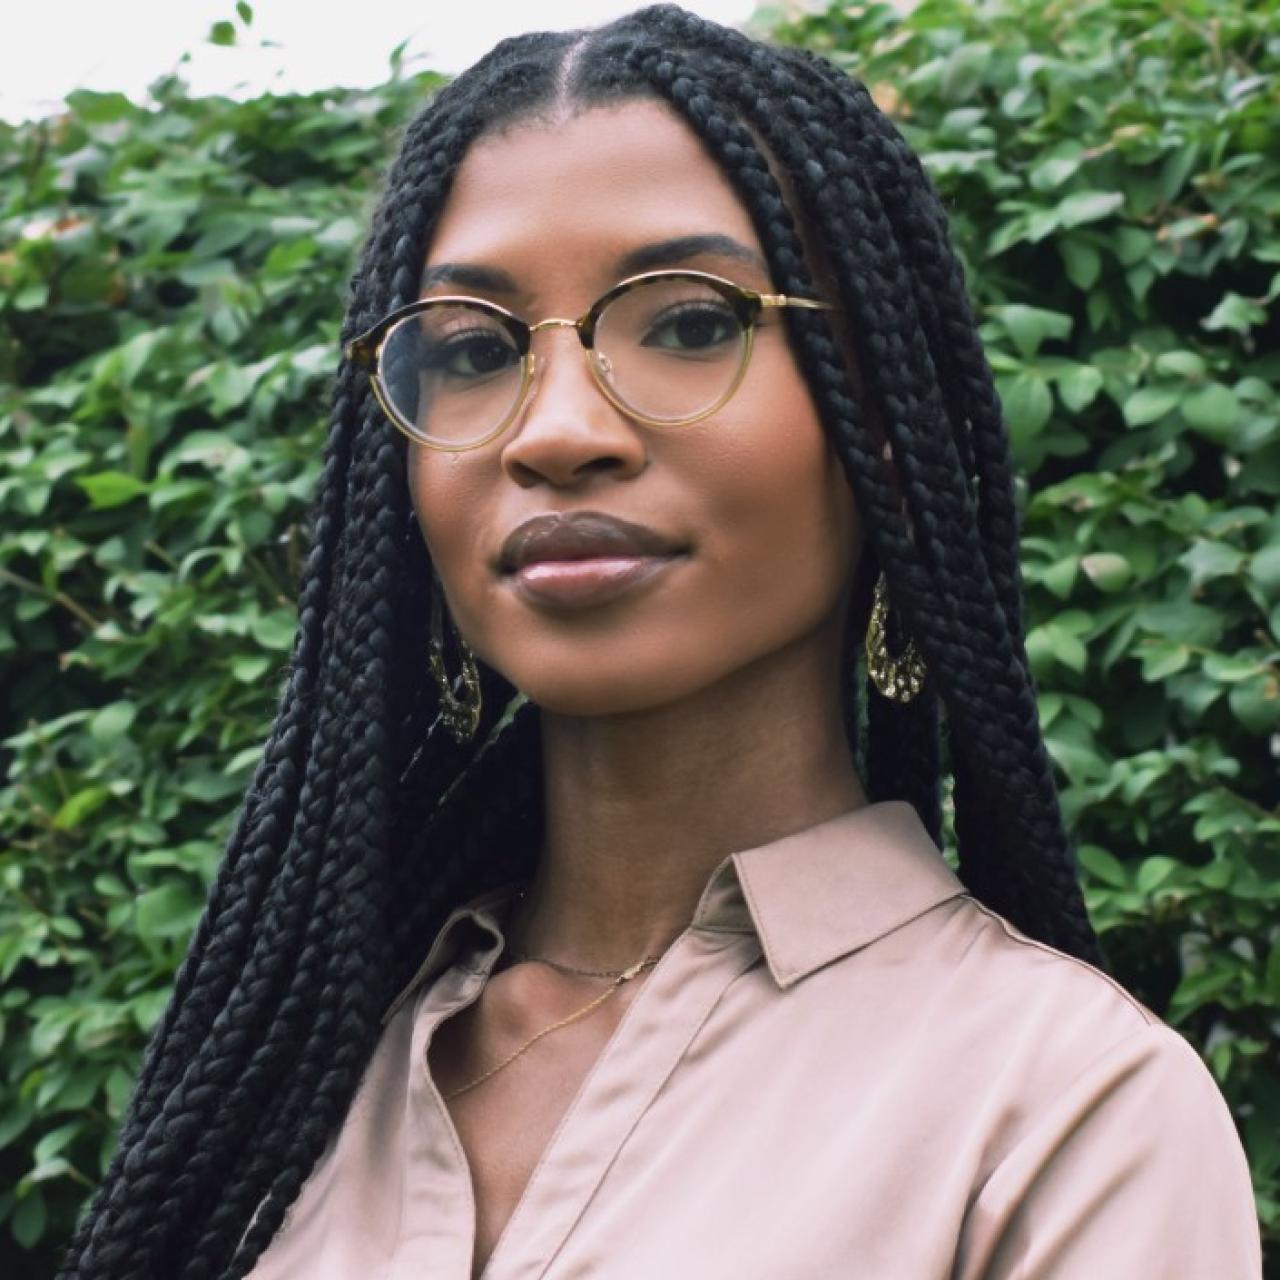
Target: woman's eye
692,328
470,356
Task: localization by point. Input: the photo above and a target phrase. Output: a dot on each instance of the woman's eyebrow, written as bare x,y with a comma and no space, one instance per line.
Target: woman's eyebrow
669,253
661,253
471,275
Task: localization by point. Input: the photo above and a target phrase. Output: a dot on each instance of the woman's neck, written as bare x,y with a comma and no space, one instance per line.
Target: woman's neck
641,808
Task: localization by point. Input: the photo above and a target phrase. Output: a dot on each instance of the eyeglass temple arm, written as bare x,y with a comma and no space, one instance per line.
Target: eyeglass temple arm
361,352
782,300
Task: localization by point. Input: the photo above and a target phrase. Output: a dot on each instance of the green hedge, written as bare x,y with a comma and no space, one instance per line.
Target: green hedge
171,281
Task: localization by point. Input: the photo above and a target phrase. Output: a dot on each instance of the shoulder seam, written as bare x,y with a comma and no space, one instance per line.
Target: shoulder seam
1017,936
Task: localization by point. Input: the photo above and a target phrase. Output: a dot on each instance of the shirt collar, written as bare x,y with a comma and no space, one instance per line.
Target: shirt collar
810,897
831,889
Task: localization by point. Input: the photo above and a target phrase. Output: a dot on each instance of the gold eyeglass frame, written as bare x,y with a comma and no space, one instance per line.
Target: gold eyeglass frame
365,351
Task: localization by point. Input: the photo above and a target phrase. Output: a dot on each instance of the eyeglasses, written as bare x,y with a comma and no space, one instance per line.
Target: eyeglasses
668,348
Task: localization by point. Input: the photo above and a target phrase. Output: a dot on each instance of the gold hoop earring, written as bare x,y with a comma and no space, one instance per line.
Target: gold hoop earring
898,679
460,700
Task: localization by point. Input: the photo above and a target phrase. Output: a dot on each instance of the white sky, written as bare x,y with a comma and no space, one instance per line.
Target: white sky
50,47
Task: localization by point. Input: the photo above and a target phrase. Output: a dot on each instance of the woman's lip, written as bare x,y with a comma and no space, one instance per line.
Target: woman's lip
579,535
586,583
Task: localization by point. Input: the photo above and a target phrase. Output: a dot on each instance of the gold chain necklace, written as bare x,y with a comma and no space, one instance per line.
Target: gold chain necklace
519,957
625,976
619,976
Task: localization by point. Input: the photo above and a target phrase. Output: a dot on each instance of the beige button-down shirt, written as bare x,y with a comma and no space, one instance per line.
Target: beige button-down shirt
845,1067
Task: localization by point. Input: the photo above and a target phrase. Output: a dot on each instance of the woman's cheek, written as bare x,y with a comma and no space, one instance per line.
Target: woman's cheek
447,499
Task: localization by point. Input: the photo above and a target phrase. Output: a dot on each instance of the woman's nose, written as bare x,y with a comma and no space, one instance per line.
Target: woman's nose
567,430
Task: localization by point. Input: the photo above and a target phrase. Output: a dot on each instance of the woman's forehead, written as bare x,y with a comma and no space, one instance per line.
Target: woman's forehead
588,187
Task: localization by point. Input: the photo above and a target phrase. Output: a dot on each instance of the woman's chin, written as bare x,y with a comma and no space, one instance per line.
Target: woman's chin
585,699
569,691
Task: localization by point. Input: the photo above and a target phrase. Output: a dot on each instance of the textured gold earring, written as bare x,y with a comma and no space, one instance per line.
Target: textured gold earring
900,678
460,695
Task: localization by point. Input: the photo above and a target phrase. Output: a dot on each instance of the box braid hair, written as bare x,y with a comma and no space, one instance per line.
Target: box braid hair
365,824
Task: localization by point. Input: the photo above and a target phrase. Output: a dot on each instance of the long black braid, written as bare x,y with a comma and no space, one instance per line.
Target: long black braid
365,824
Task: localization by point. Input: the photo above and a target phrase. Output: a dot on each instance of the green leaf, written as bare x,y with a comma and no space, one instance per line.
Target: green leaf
1206,559
1177,169
210,787
113,721
1060,578
100,108
1081,261
14,1121
119,1088
964,71
1107,570
1159,661
111,488
1181,364
222,33
1028,405
29,1219
80,806
250,668
1030,326
1214,409
1054,640
341,233
1055,170
1149,404
1271,975
1078,385
285,258
57,1140
1231,667
230,385
275,630
1132,245
109,885
1183,621
1256,703
1235,312
1088,206
1103,865
1153,872
1264,569
171,911
147,1008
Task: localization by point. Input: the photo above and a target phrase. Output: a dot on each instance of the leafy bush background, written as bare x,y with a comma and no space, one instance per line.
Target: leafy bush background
171,280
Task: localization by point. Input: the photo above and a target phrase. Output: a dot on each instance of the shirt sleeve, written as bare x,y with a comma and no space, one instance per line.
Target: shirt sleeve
1135,1169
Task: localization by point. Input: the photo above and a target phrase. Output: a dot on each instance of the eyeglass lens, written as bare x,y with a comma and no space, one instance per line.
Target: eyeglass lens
667,349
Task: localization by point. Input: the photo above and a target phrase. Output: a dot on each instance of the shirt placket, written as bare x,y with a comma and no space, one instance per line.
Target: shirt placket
653,1035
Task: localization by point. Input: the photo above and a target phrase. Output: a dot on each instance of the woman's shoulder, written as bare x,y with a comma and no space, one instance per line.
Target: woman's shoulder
1060,1082
991,969
1041,1005
1016,1021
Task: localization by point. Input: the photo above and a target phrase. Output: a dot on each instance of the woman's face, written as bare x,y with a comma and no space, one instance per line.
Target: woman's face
750,530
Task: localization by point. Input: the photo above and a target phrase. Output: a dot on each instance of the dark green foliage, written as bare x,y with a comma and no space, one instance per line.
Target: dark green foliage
171,284
1112,173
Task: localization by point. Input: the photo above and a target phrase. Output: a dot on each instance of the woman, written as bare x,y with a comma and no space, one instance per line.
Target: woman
660,971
